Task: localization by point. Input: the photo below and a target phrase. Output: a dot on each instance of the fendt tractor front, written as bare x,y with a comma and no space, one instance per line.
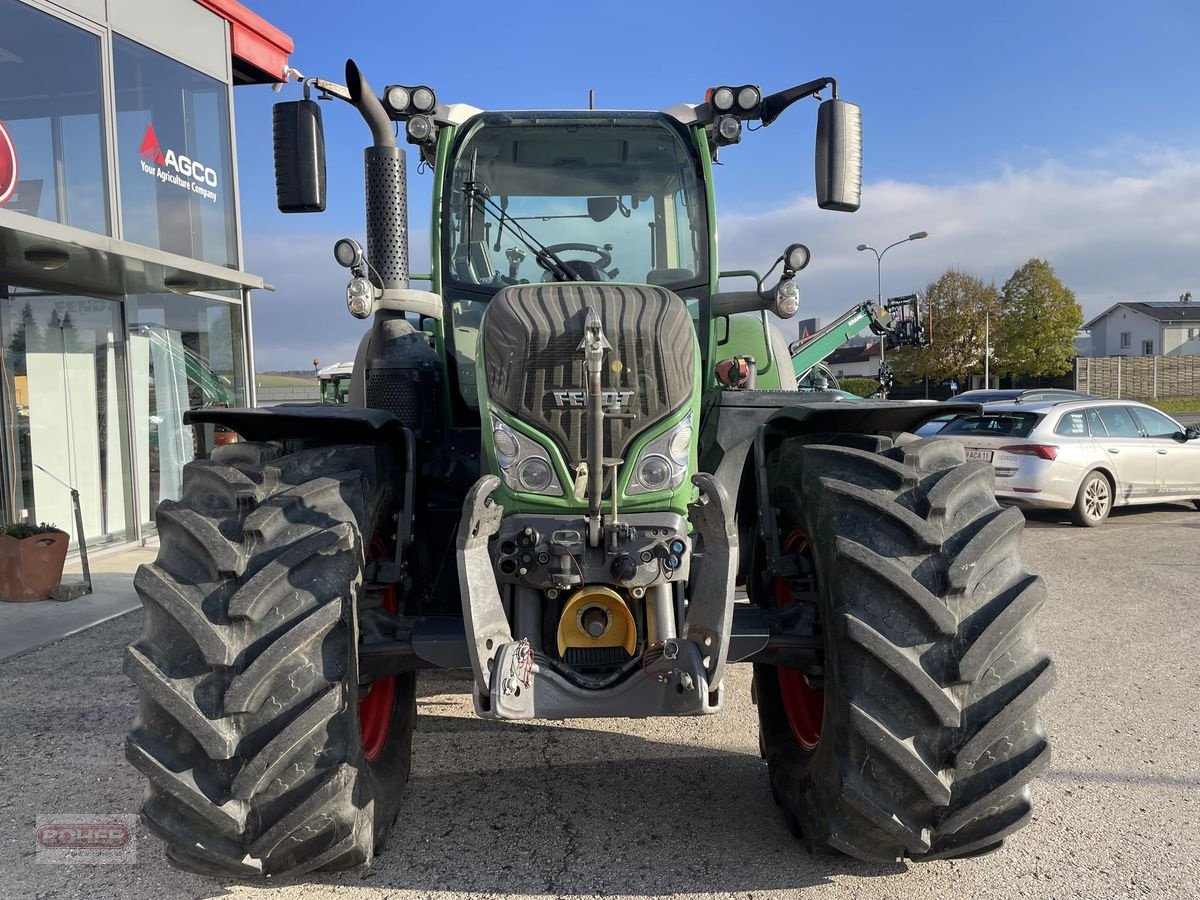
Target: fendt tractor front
579,470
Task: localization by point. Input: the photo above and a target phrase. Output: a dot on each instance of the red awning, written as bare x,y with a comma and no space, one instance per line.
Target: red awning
260,50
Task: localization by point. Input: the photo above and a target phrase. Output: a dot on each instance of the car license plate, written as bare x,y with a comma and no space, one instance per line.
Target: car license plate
981,455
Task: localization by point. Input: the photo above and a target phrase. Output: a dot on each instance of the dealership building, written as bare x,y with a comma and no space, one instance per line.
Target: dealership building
123,299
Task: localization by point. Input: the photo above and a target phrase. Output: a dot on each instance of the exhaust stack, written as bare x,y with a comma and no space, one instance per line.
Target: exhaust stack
386,186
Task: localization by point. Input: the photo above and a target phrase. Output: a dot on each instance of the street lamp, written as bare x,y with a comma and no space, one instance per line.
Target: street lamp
915,236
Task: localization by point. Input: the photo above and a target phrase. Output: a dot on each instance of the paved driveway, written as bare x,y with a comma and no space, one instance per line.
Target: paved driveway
661,807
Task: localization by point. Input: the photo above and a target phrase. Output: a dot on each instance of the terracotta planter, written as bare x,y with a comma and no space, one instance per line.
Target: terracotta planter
30,568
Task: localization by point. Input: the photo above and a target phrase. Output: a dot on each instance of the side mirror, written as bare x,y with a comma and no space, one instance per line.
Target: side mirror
1191,433
299,139
839,156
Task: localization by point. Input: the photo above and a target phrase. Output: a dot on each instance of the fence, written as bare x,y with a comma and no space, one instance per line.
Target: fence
1138,377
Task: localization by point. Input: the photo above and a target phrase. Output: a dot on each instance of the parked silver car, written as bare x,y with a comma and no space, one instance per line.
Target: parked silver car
1084,455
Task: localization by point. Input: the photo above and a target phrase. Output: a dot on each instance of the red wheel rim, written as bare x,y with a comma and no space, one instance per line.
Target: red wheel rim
375,709
803,704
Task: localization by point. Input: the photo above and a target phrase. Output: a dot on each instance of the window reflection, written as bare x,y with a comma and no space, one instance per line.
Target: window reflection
185,353
52,113
63,413
173,153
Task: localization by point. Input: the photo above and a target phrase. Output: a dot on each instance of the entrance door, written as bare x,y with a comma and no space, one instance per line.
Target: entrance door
63,419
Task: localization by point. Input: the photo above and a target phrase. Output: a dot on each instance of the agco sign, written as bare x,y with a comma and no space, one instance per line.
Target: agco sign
175,168
8,166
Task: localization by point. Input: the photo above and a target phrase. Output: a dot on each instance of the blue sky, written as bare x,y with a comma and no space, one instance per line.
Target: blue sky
1066,130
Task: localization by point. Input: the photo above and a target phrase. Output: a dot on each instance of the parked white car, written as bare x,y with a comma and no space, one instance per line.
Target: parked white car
1084,455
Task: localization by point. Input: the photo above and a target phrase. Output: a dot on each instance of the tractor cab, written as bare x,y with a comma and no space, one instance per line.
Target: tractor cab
587,196
591,196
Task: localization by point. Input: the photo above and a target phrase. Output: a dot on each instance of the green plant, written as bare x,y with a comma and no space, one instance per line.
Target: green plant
863,387
20,530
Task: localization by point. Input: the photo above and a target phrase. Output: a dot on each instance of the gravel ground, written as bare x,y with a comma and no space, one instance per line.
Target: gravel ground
681,807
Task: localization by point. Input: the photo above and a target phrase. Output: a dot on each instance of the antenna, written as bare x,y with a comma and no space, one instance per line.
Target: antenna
591,98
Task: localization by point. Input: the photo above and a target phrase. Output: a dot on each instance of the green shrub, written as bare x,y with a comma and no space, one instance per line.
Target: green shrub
863,387
19,530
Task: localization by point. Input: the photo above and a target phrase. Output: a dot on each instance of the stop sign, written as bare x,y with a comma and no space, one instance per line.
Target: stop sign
8,166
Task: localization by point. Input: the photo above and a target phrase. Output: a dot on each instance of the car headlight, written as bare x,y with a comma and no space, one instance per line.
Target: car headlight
524,463
663,463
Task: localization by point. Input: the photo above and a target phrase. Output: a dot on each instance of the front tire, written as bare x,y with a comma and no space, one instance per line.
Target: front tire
248,729
929,735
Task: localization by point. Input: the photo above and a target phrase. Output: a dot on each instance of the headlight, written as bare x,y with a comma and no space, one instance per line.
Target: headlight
524,463
663,463
535,474
748,98
787,299
505,443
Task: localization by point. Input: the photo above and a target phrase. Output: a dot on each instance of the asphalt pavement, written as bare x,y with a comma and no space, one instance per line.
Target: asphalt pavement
666,807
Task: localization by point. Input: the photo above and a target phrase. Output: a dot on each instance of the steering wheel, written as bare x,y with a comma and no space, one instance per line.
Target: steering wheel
603,254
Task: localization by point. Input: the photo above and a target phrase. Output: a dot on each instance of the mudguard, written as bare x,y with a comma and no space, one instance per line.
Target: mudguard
345,424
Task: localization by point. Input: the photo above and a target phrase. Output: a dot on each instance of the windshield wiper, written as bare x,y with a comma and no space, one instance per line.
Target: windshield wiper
479,198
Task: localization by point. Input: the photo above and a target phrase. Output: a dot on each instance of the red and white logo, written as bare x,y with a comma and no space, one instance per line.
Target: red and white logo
150,148
174,168
8,166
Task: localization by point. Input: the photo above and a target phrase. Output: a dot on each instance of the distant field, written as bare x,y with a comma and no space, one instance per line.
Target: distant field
284,380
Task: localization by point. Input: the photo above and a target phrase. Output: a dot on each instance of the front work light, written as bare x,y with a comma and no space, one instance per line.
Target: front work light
419,129
423,99
397,99
729,130
749,98
722,99
348,253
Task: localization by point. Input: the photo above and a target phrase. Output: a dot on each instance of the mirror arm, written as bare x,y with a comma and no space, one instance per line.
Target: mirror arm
774,104
328,89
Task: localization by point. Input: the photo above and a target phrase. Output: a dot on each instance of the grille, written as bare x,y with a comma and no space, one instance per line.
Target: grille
585,657
531,337
411,394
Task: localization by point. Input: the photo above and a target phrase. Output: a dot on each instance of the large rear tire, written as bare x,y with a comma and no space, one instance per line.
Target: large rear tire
248,728
927,734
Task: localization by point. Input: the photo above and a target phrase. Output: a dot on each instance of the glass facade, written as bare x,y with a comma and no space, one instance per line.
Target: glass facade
63,412
185,353
173,156
93,389
53,113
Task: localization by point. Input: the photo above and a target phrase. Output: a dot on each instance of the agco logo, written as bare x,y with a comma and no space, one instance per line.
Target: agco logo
579,398
177,169
8,166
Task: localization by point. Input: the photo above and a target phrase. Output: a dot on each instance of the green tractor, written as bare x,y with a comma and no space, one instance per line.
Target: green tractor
552,472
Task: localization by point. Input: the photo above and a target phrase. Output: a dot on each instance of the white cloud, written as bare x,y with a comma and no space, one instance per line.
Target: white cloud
306,317
1115,233
1118,227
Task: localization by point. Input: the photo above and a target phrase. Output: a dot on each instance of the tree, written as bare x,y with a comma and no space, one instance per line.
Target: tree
956,305
27,337
69,335
1038,322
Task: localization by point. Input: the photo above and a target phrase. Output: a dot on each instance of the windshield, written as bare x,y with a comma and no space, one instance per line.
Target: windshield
614,196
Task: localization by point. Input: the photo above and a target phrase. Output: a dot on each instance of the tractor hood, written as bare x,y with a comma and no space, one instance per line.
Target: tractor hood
534,367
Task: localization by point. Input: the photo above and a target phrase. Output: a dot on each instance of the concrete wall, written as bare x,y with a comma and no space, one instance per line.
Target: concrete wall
1139,377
